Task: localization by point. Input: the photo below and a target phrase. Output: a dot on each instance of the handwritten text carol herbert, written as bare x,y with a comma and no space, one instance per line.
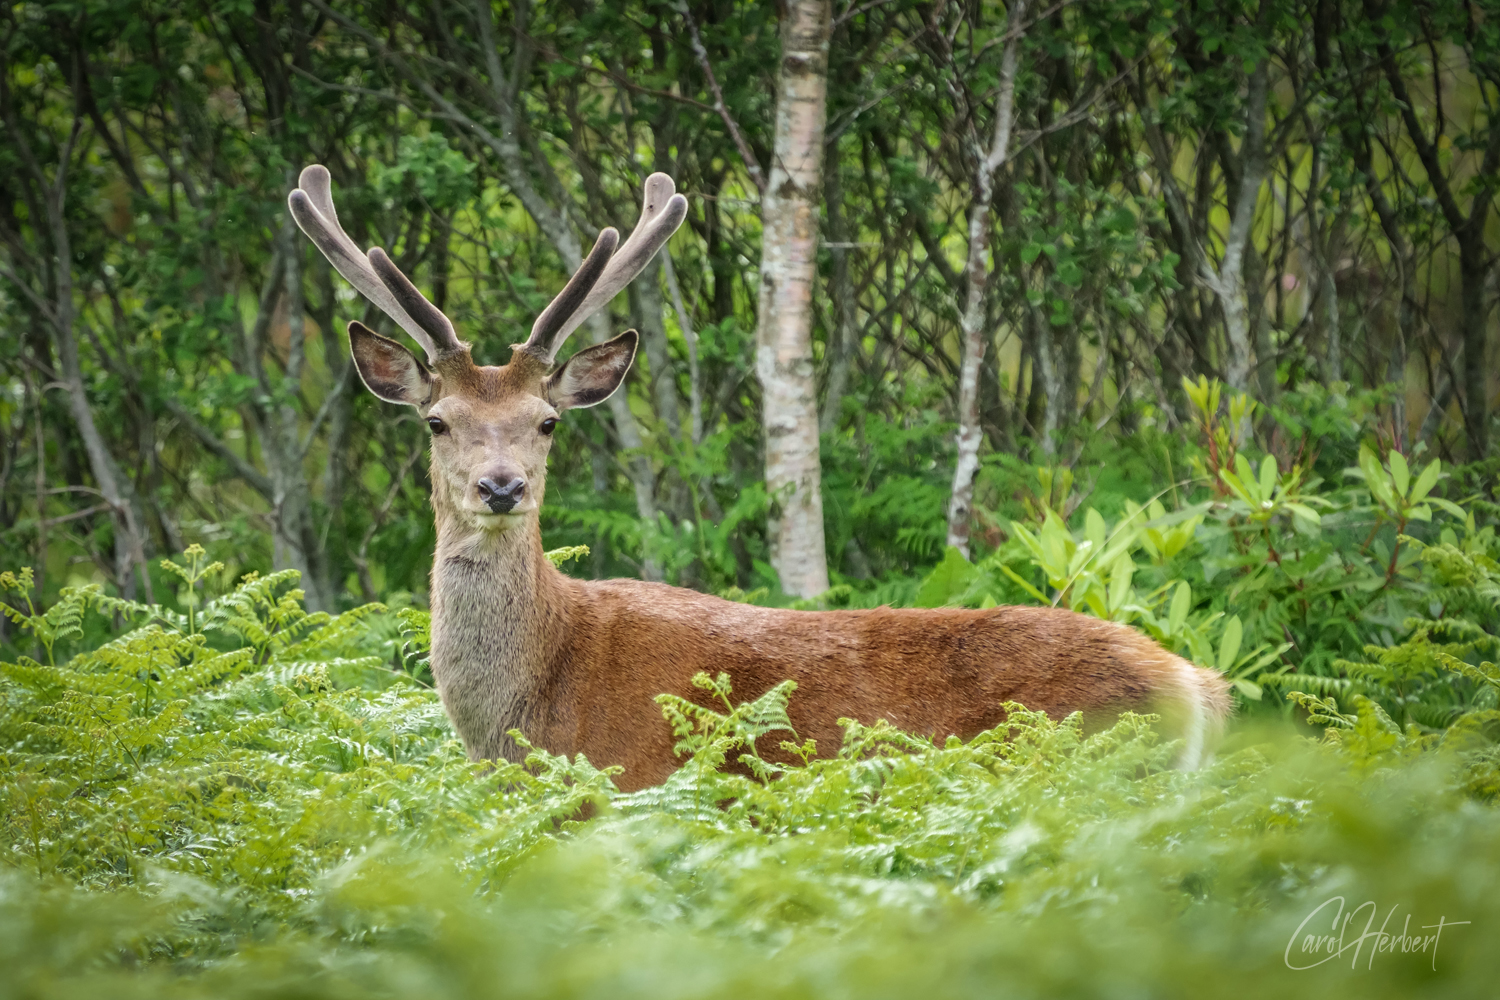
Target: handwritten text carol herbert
1309,948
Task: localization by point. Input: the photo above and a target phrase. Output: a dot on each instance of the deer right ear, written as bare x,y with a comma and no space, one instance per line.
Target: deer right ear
389,370
592,375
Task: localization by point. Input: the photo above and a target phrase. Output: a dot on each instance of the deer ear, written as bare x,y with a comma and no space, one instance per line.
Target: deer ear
389,370
592,375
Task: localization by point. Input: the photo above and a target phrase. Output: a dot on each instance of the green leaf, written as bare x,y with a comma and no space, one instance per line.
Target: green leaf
1400,473
1119,582
1268,478
1302,510
1093,528
1249,689
1026,586
1032,543
1239,488
1427,480
559,556
947,582
1057,543
1121,221
1182,602
1246,473
1229,643
1376,478
1450,507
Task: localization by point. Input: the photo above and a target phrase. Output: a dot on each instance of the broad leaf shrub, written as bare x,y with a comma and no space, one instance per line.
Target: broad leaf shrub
1281,577
253,801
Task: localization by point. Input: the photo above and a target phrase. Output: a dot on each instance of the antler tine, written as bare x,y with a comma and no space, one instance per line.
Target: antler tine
311,205
545,337
428,316
662,211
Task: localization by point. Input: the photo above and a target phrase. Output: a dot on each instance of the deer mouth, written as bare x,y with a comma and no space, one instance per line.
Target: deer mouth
499,519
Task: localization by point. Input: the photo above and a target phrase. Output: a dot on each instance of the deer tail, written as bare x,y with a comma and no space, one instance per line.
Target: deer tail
1203,709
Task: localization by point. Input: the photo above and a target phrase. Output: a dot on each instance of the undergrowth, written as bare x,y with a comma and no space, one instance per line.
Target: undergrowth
249,800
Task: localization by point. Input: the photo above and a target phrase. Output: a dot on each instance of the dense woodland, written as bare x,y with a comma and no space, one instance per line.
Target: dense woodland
1294,198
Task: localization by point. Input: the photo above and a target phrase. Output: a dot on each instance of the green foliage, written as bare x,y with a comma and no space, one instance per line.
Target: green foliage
1266,571
62,620
708,737
227,813
1440,682
252,753
566,554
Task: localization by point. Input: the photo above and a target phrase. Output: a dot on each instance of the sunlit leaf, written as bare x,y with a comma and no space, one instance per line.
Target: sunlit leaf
1229,644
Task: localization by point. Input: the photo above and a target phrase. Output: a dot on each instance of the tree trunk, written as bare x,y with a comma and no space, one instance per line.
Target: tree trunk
1228,280
638,466
972,322
784,359
114,486
646,294
1328,318
1469,231
343,386
1049,379
1441,400
1473,267
840,350
689,334
646,303
294,539
1264,368
1326,246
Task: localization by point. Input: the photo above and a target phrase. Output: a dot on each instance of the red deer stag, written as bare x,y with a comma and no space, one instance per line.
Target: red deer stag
575,664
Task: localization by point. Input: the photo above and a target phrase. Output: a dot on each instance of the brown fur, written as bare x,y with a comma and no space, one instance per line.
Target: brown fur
575,665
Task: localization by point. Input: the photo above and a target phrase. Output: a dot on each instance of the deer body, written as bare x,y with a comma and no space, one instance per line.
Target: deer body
575,665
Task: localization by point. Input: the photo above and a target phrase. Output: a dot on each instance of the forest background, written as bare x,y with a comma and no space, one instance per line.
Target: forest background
1292,198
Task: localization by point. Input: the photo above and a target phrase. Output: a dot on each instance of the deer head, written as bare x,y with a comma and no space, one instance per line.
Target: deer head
491,426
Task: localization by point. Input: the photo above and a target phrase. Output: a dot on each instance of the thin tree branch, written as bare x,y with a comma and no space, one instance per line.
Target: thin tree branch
752,165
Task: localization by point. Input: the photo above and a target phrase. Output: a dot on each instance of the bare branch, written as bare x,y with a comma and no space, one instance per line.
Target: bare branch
752,165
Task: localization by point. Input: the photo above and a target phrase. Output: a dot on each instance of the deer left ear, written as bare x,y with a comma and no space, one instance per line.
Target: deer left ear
592,375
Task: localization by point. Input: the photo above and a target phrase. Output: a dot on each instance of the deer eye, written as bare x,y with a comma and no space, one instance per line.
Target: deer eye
548,425
437,425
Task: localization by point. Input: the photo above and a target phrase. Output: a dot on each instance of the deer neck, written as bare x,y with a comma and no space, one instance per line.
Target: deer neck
498,608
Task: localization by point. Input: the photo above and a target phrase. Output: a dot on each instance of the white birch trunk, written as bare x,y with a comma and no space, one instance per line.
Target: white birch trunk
788,274
972,321
1049,371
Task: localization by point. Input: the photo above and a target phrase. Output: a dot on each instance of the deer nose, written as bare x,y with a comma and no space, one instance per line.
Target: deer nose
501,499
